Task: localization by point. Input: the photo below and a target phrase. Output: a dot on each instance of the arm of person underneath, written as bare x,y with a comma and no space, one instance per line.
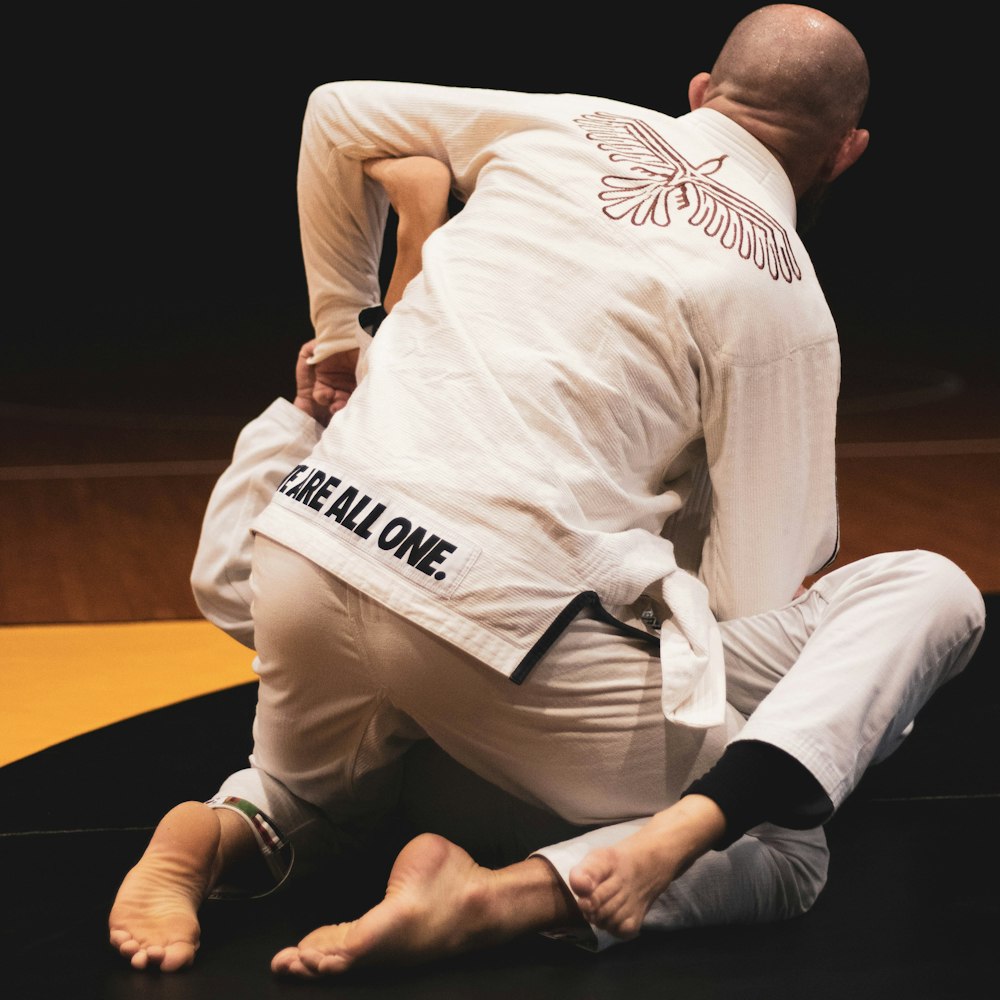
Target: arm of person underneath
418,188
343,210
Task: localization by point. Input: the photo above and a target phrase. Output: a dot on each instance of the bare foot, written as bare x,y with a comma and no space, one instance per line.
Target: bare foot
438,902
616,885
154,921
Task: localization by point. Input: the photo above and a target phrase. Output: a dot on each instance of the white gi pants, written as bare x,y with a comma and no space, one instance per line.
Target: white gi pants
346,686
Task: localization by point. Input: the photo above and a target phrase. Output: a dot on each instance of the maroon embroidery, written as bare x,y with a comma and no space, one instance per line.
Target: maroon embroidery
662,178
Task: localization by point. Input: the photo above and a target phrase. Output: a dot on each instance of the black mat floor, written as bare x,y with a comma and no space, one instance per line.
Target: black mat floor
910,910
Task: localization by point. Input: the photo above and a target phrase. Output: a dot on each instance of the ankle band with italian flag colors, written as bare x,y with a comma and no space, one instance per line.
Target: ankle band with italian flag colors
275,850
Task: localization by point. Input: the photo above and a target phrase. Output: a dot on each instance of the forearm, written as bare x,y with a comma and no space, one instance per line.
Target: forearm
343,212
418,188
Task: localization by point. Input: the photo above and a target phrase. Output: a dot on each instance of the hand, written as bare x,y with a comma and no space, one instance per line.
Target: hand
323,388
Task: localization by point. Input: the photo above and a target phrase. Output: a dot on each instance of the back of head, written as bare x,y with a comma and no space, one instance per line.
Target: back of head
796,69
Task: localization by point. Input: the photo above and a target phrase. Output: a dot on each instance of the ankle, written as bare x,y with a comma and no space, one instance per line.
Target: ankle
698,823
530,897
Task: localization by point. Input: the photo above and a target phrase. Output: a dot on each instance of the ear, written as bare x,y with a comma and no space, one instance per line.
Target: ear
848,152
696,90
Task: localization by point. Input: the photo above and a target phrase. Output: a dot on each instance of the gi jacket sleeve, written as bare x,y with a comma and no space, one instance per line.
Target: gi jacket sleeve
342,213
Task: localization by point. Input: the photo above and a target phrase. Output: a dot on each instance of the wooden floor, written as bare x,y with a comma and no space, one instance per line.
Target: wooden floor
919,463
100,507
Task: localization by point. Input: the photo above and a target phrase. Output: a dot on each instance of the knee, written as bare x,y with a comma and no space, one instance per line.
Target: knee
789,869
811,875
948,590
929,586
806,867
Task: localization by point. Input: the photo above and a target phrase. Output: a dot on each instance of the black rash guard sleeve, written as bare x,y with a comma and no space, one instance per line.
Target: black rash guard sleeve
754,782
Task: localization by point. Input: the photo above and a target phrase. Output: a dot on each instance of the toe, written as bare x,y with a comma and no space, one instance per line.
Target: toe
288,962
177,956
334,964
284,959
311,958
129,946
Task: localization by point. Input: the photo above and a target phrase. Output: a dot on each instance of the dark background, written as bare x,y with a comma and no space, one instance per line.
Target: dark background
154,251
153,266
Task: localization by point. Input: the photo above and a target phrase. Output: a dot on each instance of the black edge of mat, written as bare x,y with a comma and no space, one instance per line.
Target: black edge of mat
910,908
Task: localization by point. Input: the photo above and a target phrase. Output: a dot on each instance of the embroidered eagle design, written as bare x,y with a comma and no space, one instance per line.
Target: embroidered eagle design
662,179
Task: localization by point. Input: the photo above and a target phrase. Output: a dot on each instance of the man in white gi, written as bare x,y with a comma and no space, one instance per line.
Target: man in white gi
620,329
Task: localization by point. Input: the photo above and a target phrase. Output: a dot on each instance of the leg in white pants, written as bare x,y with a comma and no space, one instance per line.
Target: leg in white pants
834,679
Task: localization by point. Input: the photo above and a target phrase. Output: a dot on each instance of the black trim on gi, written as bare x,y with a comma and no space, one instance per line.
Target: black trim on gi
836,541
372,318
590,602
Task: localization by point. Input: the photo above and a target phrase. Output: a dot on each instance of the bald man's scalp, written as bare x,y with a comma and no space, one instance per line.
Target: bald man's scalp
787,59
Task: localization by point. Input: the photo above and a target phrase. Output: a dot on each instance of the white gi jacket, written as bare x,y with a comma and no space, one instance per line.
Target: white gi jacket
620,316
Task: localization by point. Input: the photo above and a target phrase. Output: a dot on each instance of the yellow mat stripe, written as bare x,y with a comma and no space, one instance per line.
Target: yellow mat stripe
60,681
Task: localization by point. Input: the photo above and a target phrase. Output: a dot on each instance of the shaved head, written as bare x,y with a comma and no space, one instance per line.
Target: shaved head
794,60
797,79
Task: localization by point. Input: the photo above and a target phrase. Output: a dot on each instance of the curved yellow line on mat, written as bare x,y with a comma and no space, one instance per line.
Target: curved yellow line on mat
60,681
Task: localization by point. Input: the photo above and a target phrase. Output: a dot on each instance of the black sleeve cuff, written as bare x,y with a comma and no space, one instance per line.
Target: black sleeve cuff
371,318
